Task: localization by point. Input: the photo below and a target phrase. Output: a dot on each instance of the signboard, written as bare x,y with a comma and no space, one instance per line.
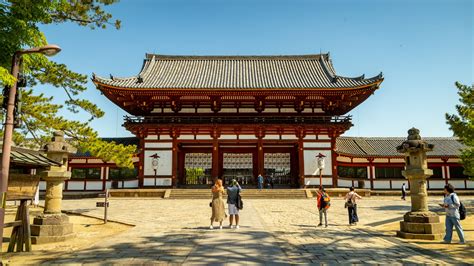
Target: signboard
101,204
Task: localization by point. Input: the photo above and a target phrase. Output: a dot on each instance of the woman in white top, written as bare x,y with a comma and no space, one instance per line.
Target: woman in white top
351,205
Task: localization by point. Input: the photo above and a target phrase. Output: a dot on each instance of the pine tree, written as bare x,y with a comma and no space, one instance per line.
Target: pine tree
462,125
19,29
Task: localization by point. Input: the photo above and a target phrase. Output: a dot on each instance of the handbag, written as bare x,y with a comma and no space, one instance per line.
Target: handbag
239,204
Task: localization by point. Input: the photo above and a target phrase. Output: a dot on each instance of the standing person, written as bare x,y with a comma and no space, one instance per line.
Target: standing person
404,191
260,182
217,204
351,205
323,205
232,193
272,181
452,204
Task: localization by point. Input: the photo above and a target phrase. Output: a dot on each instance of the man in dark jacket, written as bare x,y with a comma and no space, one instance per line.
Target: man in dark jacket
232,193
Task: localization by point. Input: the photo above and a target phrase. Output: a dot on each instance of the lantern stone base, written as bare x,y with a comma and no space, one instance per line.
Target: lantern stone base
421,225
49,228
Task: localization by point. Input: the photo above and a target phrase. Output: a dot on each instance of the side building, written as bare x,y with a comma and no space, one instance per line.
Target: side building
360,161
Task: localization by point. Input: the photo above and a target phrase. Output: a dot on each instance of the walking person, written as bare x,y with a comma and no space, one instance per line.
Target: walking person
404,191
351,204
323,205
260,182
217,204
232,196
272,181
451,204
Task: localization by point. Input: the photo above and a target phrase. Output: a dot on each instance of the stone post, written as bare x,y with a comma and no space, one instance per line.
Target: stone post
419,223
52,225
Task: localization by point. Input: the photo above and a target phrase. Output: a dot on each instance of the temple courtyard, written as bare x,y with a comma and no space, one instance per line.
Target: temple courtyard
273,231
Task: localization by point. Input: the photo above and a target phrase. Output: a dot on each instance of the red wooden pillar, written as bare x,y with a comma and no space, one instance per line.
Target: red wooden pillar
371,172
215,153
301,162
334,159
174,165
260,157
300,134
215,159
141,161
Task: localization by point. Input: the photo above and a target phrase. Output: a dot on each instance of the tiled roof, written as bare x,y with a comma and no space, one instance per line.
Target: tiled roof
28,157
363,147
237,72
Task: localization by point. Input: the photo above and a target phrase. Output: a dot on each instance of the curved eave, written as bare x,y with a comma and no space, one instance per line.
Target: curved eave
100,84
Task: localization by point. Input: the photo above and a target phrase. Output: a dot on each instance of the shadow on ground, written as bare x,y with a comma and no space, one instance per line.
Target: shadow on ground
236,246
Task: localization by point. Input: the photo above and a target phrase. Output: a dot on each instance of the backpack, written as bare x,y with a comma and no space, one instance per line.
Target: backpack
462,209
325,201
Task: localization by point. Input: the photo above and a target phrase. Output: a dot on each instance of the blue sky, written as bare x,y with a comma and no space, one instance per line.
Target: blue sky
422,47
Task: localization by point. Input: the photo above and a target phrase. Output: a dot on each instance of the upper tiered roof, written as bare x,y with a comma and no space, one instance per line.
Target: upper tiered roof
238,73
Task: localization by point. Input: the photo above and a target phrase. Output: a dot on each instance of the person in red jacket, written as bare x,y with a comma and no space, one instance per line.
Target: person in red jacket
323,204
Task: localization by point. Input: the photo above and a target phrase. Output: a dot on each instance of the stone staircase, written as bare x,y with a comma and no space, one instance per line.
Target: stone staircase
246,194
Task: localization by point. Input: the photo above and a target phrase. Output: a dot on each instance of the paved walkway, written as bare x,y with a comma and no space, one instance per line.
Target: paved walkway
272,232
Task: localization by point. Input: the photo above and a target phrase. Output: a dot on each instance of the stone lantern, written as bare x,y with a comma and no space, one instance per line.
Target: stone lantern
419,223
52,225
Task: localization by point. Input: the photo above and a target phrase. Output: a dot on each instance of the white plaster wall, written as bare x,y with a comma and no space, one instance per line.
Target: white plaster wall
310,164
94,185
288,137
360,160
272,137
148,182
458,184
131,184
436,184
397,184
381,184
343,159
42,185
380,160
204,137
163,181
317,144
77,161
75,185
164,162
323,137
228,137
434,160
470,184
186,137
311,181
247,137
397,160
344,183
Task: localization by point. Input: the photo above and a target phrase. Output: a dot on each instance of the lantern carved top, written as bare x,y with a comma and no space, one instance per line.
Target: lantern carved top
414,143
59,145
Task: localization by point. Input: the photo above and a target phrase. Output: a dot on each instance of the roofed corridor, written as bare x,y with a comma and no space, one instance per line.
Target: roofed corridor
272,231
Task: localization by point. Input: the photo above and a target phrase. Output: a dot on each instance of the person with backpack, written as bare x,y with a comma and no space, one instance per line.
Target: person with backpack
455,212
232,203
351,205
324,202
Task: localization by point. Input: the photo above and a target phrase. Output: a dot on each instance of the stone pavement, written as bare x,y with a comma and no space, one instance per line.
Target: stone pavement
272,232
